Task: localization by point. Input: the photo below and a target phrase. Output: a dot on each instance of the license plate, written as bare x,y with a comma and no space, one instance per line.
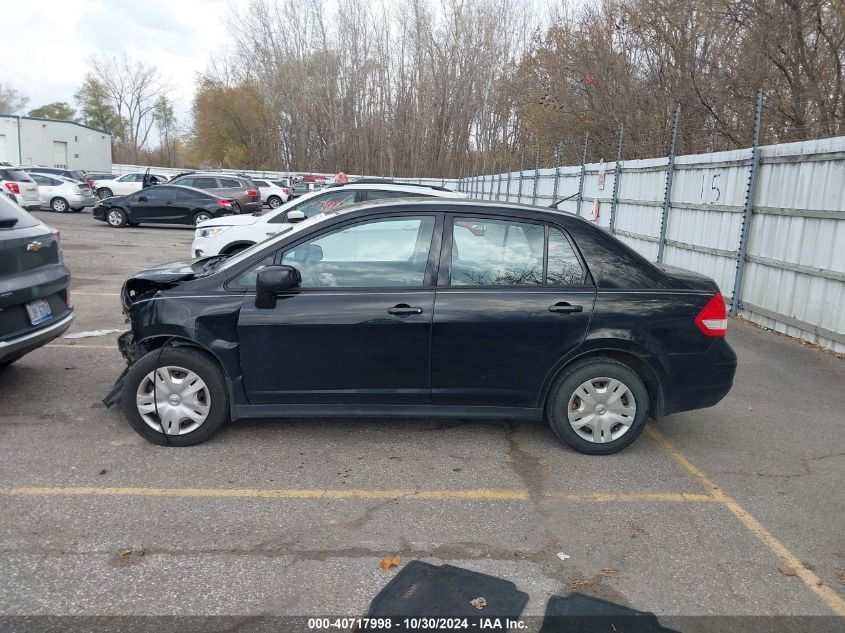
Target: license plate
39,311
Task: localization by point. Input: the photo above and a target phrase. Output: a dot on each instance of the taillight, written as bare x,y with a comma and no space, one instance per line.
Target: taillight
251,193
224,204
713,318
13,187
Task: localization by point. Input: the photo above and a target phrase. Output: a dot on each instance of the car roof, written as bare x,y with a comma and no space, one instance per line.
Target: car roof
429,190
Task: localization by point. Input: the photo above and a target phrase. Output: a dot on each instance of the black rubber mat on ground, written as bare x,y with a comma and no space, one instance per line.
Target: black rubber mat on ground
424,590
585,614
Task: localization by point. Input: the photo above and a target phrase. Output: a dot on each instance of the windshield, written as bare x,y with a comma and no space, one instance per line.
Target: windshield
285,231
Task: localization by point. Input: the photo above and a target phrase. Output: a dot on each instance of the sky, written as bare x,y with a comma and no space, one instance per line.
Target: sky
45,43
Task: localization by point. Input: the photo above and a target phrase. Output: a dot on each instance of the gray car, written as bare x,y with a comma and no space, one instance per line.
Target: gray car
34,304
16,181
63,194
241,190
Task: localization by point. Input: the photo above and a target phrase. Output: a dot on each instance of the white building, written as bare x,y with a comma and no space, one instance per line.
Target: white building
50,143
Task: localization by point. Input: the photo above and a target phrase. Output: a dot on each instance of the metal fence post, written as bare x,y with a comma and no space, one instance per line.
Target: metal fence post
583,174
615,200
536,175
557,172
667,195
748,211
521,174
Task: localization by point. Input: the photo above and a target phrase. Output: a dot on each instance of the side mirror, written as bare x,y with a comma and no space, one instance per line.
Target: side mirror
295,216
273,280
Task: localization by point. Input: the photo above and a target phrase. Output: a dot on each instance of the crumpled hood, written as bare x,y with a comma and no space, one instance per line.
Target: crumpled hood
172,271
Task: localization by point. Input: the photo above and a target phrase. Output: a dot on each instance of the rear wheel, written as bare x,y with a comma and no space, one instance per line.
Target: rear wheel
59,205
104,193
598,406
236,207
202,216
117,218
274,202
175,397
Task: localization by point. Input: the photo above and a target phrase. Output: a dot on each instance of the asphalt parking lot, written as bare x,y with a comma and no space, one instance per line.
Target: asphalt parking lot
734,510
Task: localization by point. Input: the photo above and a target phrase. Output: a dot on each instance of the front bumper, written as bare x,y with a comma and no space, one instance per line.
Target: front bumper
35,339
126,345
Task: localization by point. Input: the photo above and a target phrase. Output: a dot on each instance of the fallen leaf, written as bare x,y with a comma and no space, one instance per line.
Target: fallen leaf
562,556
787,570
609,571
841,576
585,583
389,561
123,552
104,471
479,602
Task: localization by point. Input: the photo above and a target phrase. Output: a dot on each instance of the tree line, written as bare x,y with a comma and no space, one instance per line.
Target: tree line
457,87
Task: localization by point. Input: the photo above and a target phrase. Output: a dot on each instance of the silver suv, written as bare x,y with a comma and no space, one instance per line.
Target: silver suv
16,181
241,190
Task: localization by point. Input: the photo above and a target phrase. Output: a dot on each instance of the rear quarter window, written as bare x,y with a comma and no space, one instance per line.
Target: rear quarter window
15,175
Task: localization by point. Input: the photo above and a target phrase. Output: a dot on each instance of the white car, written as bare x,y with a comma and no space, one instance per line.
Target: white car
62,194
123,185
231,234
272,194
18,184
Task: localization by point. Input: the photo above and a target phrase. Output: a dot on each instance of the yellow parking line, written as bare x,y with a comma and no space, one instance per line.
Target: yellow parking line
473,494
808,577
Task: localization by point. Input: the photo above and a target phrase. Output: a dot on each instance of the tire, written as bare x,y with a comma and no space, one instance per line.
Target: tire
202,216
77,210
211,401
104,193
117,218
274,202
236,207
59,205
573,394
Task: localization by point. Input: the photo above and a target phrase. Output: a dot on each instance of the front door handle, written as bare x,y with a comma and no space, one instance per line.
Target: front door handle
562,307
403,310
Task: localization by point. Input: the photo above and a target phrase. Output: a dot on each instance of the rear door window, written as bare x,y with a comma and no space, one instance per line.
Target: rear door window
261,183
230,183
205,183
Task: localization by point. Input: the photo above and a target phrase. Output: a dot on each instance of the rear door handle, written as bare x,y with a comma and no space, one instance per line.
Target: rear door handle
403,310
562,307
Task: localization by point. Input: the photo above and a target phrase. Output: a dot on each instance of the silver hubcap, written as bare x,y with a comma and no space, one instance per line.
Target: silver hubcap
115,218
59,205
173,400
274,203
202,218
602,410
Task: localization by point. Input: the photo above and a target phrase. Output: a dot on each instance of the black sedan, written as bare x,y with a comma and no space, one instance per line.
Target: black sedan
34,304
430,308
162,204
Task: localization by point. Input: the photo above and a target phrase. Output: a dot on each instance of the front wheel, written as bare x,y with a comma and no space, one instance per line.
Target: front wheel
117,218
104,193
59,205
598,406
175,397
274,202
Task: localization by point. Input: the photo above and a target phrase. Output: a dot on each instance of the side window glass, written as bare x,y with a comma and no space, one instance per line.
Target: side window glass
563,268
377,254
230,183
205,183
496,252
326,203
249,277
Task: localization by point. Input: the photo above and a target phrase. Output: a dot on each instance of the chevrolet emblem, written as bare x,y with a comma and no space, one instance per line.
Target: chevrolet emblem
33,247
